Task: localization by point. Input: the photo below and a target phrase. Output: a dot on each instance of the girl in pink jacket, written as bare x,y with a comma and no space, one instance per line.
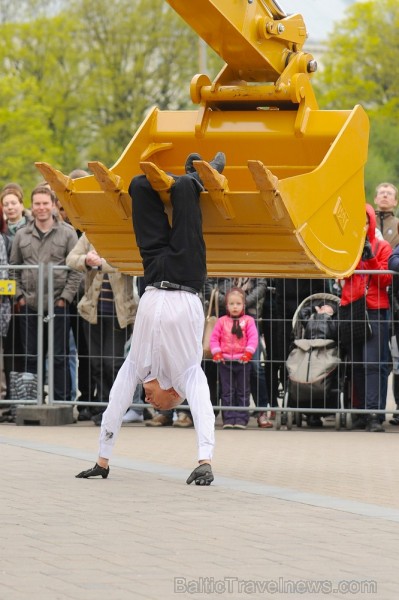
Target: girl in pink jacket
233,342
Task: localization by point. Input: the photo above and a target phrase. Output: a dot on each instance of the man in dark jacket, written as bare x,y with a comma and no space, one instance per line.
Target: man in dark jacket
386,201
45,240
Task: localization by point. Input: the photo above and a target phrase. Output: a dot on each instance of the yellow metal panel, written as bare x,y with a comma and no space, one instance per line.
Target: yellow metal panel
237,31
293,201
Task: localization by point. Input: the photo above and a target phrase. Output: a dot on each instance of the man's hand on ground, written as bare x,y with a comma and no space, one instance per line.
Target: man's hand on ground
202,475
94,472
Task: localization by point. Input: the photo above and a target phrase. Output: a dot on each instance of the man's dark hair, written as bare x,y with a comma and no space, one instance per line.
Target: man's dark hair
43,189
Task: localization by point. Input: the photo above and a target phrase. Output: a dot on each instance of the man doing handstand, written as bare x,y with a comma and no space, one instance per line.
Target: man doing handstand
166,349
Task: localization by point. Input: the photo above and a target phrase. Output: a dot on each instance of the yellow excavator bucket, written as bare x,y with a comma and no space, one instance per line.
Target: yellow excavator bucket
292,201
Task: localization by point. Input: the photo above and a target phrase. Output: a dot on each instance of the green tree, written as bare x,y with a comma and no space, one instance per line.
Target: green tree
360,67
39,97
140,55
76,85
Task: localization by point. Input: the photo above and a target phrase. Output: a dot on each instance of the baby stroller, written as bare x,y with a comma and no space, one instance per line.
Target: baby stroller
315,373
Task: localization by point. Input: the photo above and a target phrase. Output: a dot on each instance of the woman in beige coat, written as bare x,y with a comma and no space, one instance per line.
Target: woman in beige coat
108,308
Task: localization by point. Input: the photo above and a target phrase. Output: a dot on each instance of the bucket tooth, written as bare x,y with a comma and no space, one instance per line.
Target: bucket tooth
211,179
160,181
217,187
109,182
59,182
267,184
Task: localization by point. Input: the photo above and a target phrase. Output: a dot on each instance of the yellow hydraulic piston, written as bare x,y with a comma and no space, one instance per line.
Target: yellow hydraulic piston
292,201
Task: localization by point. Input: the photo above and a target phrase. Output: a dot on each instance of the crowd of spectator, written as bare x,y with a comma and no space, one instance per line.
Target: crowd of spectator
94,307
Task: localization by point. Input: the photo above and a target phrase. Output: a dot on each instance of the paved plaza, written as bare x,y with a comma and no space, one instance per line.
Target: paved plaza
291,514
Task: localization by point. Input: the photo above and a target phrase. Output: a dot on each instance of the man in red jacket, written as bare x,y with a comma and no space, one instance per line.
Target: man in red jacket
369,368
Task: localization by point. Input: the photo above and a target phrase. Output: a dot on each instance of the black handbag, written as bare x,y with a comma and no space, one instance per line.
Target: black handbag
354,324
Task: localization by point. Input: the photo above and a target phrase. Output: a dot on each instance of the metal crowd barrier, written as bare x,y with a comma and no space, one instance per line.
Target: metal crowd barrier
272,367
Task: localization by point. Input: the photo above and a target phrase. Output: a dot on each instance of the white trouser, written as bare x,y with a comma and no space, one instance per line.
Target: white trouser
166,345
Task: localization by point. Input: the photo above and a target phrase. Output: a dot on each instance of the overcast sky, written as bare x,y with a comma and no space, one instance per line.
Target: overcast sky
319,15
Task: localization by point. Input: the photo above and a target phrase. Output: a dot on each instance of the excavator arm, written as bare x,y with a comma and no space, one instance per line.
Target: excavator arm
257,40
292,201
